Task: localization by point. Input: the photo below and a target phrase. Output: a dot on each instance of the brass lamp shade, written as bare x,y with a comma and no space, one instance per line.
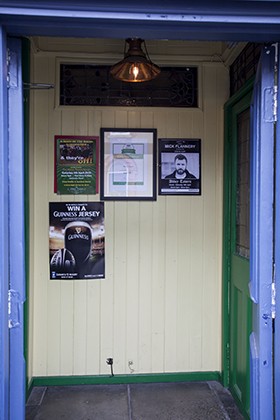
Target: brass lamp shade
135,67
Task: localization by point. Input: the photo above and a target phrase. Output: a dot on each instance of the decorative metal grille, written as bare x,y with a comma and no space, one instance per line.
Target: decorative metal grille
244,67
93,85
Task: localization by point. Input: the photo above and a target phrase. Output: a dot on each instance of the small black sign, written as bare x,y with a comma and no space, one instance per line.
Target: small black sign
179,167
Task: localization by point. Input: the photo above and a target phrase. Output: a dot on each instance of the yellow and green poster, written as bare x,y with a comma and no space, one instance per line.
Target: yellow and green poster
76,160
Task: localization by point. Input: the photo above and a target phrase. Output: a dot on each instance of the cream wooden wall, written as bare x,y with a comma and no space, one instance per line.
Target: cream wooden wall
160,304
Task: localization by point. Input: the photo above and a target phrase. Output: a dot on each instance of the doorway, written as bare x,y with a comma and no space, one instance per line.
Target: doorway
169,292
237,244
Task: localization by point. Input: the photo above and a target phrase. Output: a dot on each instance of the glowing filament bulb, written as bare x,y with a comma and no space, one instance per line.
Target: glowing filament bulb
135,71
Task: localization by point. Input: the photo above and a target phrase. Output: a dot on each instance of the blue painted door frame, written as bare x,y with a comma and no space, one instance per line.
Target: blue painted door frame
262,237
174,23
4,237
16,231
12,249
277,266
254,21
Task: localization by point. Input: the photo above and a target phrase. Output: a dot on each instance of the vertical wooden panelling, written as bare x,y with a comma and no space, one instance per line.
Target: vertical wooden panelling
132,286
106,337
40,244
93,287
171,261
80,287
145,272
79,327
158,310
158,285
158,315
184,305
215,86
67,287
146,245
93,327
133,119
195,311
66,328
54,288
107,287
171,292
119,274
119,285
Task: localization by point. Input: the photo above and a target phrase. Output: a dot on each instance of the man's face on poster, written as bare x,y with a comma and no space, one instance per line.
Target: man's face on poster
180,166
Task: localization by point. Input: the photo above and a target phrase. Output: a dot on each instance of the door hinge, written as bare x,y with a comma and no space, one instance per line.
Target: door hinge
270,104
12,69
273,300
275,103
8,62
275,90
14,305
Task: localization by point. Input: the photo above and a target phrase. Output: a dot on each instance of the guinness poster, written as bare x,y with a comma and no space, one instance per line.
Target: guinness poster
179,167
77,240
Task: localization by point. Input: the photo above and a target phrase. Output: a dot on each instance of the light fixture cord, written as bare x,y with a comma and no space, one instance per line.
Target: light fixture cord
124,49
146,51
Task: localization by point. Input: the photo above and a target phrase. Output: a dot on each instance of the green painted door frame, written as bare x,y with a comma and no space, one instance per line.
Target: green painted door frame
234,266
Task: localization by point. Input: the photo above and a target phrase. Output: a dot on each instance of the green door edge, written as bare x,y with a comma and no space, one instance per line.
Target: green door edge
242,97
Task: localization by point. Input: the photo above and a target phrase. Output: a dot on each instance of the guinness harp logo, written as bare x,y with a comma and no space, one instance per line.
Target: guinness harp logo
78,230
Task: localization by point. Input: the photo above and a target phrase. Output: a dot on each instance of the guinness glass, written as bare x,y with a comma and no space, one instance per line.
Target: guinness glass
78,240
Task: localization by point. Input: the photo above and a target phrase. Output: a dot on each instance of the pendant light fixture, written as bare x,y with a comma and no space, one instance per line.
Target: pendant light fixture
136,65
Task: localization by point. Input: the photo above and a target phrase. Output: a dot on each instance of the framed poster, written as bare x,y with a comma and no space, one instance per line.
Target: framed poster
128,164
179,166
76,163
77,240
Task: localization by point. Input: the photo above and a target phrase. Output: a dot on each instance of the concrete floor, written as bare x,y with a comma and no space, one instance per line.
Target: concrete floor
164,401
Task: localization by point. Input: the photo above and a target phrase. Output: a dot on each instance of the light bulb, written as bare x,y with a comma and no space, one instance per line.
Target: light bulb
135,71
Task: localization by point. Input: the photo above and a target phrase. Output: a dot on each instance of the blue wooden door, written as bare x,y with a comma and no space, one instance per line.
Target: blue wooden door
4,237
16,232
277,267
12,275
262,237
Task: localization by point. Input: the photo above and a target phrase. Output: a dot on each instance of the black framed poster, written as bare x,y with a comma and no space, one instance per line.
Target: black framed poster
77,240
179,166
128,164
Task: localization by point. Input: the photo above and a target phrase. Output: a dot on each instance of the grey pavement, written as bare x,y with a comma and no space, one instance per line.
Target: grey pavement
156,401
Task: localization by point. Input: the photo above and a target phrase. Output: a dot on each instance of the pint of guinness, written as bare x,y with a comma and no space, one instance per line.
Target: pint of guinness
78,240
